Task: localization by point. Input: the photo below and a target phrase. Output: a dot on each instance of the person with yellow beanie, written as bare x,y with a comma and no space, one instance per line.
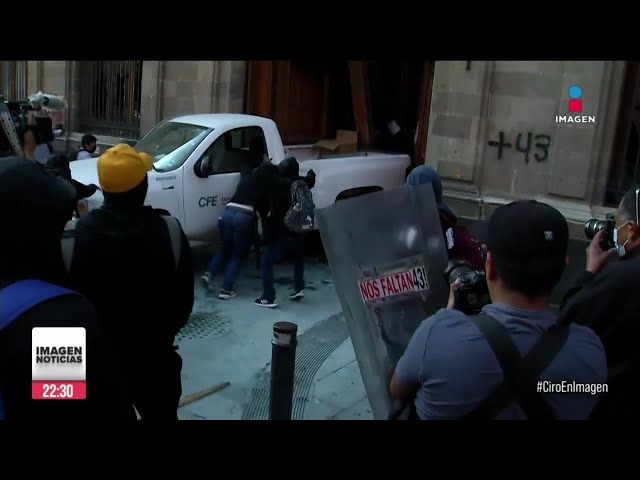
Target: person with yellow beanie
135,264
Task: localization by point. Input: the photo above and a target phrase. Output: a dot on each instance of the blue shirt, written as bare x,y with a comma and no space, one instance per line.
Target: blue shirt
456,369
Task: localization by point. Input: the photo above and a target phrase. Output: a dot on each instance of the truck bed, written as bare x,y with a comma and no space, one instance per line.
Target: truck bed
305,153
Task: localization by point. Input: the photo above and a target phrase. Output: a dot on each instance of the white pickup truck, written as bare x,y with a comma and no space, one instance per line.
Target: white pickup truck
197,160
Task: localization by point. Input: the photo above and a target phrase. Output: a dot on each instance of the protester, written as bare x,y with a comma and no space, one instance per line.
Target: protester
238,231
31,295
88,147
604,298
458,241
453,366
140,278
280,240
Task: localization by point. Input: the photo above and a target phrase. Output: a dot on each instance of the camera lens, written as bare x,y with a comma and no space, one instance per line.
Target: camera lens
459,269
592,227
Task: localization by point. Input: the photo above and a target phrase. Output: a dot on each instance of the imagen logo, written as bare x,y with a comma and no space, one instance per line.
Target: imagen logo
575,99
58,363
575,106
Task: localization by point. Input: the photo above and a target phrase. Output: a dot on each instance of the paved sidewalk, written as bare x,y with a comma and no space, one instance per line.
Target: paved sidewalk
230,341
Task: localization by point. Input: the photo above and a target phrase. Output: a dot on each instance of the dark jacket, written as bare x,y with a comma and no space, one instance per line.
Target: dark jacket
123,261
252,190
609,304
279,195
34,207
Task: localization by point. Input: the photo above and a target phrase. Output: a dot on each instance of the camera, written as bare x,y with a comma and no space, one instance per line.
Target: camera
472,293
593,226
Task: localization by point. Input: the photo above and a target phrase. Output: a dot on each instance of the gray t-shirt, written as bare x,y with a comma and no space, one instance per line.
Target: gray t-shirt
452,362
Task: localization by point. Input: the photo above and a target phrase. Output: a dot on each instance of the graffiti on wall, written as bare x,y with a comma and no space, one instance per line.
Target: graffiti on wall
527,144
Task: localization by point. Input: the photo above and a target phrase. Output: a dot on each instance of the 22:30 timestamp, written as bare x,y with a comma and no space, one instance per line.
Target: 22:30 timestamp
58,390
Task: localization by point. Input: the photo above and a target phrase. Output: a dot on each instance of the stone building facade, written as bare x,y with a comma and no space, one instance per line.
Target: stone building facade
169,88
493,134
474,106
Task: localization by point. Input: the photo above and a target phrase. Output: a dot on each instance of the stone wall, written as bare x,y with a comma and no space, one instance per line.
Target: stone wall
169,88
476,106
172,88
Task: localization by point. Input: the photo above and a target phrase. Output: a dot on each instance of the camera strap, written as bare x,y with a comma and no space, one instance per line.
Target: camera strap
520,374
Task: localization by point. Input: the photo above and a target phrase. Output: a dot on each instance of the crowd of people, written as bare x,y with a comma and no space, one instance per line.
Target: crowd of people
104,270
456,366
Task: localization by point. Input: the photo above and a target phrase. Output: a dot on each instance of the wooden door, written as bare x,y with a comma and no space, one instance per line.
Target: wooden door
295,94
424,109
258,95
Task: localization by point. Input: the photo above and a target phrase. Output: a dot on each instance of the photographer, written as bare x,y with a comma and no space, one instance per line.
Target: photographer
604,297
455,364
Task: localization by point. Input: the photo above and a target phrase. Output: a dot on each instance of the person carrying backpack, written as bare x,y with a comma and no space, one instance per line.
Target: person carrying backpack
460,245
134,263
290,216
33,294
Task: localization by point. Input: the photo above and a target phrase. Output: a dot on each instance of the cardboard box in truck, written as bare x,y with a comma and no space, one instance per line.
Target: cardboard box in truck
346,141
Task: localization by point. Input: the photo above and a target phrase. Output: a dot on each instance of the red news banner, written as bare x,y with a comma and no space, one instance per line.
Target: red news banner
58,363
409,281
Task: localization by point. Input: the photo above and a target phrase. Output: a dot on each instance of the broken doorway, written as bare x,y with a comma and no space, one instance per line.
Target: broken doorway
386,102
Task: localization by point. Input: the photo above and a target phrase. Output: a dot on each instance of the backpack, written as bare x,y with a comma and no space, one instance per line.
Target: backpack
68,242
300,217
21,297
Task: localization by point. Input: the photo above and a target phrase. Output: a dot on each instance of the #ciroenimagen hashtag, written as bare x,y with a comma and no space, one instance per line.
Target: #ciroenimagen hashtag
546,386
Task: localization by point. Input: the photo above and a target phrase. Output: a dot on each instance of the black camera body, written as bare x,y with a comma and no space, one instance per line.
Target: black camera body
593,226
472,293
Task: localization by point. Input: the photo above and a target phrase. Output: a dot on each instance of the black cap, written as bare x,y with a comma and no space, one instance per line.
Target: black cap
528,232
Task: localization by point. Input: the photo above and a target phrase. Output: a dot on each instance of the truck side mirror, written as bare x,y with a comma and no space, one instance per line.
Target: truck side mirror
203,167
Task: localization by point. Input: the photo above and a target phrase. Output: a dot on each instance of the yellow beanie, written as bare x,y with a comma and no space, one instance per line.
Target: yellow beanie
121,168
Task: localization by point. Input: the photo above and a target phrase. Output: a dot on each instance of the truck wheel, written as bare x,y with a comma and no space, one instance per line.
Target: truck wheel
357,192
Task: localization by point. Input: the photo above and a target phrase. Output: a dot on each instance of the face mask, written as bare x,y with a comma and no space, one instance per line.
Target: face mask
619,248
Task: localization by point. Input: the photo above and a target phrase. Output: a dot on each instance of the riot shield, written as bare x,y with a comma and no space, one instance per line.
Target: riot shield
387,257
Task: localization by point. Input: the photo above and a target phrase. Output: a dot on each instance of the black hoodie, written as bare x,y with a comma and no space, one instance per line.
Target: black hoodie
123,261
35,207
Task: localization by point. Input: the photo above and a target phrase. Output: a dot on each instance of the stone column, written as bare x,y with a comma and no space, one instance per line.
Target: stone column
151,101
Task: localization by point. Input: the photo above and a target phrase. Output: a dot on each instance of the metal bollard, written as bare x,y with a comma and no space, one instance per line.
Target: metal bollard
283,365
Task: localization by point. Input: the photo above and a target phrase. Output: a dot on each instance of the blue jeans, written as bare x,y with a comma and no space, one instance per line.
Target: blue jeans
274,253
236,235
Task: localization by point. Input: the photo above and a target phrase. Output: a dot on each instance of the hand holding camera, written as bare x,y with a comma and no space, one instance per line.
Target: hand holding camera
451,304
602,246
468,290
596,256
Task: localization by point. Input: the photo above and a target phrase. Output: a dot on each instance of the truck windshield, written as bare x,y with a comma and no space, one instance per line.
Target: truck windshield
171,143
